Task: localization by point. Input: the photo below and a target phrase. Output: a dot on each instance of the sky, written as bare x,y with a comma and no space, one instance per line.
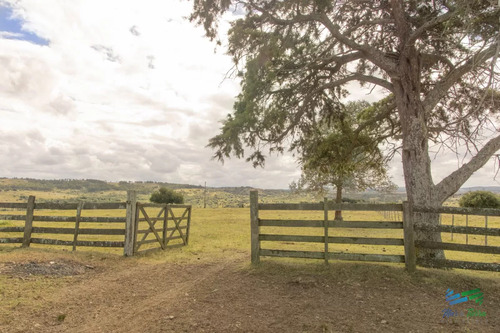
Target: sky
128,90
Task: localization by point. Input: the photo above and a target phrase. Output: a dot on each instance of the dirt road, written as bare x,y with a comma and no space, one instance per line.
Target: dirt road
231,296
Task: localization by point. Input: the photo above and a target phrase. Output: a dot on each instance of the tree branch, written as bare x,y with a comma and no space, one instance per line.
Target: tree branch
357,77
372,54
402,24
429,24
429,60
441,88
456,179
375,56
379,117
339,61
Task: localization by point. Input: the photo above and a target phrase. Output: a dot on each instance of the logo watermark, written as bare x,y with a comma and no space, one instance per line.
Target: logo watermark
452,298
470,295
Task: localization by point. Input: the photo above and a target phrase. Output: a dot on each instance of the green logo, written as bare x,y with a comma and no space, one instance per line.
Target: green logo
470,295
456,298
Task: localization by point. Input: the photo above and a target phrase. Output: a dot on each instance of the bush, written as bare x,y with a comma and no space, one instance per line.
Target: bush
479,199
165,195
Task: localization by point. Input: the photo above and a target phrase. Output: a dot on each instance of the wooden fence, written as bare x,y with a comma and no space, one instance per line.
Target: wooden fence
453,229
407,227
121,232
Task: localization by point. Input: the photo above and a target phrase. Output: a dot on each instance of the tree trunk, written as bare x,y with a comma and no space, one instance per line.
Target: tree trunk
416,161
338,199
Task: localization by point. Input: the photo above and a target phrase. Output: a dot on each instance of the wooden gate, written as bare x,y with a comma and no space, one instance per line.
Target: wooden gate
166,230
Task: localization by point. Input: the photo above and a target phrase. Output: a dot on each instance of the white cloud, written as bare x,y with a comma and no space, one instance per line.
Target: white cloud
8,34
125,90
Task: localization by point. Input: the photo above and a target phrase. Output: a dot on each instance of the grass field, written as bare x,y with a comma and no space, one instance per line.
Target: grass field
228,228
193,283
220,230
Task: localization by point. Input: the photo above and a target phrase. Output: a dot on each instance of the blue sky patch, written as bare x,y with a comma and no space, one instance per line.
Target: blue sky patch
12,28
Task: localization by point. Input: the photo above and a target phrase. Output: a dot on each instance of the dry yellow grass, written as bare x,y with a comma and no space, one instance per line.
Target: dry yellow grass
217,231
222,230
223,235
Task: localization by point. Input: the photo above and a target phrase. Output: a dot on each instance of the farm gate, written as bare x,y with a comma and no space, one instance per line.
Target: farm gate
136,227
166,230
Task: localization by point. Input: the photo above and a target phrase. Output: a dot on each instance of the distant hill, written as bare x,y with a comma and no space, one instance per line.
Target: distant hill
494,189
84,185
98,190
71,190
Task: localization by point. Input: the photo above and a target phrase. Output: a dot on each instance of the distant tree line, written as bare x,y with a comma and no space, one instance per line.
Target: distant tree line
85,185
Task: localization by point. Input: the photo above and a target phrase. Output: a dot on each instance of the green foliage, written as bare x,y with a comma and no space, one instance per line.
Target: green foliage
84,185
479,199
344,157
346,200
433,62
165,195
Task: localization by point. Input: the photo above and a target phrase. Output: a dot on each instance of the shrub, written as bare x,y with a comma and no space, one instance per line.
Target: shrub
165,195
479,199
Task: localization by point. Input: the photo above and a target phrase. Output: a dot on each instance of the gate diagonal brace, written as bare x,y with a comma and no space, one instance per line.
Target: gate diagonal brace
177,222
151,227
154,223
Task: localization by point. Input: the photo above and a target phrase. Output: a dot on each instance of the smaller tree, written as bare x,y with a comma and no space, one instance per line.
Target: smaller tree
339,155
479,199
165,195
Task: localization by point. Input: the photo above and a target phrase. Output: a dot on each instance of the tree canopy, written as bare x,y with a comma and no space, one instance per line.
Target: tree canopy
479,199
435,62
167,196
338,156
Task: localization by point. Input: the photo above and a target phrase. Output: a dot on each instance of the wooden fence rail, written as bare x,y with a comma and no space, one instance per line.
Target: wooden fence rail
407,225
126,226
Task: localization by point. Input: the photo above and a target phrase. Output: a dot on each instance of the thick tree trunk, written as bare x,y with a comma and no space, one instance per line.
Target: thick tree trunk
416,161
338,199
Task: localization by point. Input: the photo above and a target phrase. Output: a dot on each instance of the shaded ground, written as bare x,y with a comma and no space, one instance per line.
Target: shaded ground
49,268
122,295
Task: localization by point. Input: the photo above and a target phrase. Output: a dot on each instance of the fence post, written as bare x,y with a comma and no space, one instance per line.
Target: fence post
254,226
165,226
325,222
188,229
409,238
77,224
128,248
28,224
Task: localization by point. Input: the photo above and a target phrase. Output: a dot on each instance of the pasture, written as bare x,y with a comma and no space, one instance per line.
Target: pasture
210,286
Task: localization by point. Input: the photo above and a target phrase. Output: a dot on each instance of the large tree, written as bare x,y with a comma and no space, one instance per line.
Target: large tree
338,156
436,61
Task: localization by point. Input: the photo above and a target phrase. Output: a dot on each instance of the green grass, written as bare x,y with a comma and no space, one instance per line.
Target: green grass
223,234
218,232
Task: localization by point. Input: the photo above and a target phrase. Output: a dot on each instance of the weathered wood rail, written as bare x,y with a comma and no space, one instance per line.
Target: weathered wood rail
36,225
422,225
163,235
407,225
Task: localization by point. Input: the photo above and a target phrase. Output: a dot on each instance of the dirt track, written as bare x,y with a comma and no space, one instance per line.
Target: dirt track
229,296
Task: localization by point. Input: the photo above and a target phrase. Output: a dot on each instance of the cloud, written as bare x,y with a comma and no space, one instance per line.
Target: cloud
151,61
13,25
107,52
61,105
134,31
125,90
13,35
